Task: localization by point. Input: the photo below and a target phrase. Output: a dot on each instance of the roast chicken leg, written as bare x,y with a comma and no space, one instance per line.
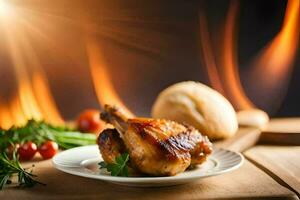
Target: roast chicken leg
156,147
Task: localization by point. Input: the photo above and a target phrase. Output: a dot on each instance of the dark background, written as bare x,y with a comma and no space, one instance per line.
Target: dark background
148,45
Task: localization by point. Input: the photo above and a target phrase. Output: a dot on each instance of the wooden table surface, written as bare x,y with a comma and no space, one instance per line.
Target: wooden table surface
269,172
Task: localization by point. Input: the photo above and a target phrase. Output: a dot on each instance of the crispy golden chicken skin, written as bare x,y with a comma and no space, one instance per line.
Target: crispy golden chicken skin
156,147
110,145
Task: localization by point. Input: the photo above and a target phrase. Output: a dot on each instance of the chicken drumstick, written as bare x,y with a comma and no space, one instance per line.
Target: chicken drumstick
156,146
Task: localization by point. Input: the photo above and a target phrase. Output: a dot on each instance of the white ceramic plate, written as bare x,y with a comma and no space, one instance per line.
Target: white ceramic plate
83,161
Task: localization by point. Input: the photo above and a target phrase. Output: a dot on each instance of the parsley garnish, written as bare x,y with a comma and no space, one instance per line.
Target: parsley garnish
119,167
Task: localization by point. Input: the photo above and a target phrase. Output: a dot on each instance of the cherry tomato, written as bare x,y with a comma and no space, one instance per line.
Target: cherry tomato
48,149
27,150
89,121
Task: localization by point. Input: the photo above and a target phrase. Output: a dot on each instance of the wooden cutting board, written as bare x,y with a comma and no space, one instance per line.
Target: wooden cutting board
282,131
280,162
248,182
244,139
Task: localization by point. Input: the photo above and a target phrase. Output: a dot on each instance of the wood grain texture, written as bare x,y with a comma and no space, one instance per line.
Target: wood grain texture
283,131
244,139
284,125
281,162
248,182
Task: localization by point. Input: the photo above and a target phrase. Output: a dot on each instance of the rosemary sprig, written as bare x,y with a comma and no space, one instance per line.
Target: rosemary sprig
11,167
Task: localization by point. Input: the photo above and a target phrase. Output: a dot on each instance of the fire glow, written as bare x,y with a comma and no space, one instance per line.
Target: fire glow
5,9
33,98
104,89
275,60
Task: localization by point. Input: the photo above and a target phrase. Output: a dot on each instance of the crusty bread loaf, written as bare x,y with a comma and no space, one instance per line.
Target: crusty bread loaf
198,105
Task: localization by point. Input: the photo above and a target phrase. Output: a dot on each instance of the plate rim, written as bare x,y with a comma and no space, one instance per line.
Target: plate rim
160,179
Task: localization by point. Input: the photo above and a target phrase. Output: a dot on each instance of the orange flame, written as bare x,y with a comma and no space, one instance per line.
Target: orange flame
33,98
208,56
275,60
6,119
280,53
232,84
45,99
225,79
33,101
104,89
28,101
17,112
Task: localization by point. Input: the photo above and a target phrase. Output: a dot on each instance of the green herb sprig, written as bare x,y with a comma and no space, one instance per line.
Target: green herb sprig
40,131
37,132
11,167
119,167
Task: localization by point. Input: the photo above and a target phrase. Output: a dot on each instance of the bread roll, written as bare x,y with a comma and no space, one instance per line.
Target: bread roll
253,118
198,105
